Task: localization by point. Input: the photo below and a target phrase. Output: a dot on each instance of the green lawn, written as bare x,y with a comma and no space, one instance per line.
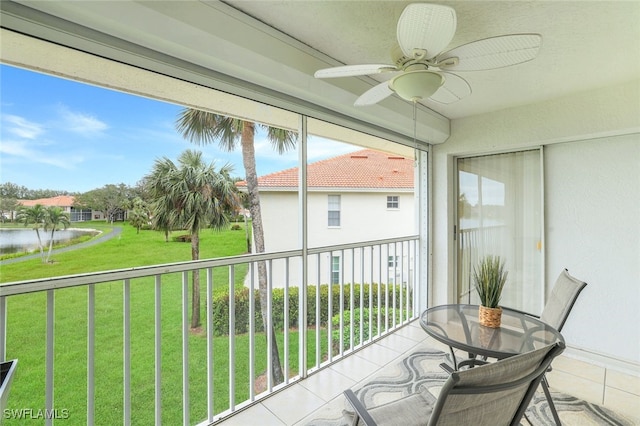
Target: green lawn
26,333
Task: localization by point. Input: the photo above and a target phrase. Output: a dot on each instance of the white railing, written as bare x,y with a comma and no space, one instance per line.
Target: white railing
473,244
375,285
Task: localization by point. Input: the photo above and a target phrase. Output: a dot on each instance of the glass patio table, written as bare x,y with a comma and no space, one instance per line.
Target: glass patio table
457,326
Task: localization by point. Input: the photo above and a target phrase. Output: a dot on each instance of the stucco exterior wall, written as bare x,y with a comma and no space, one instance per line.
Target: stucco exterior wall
364,217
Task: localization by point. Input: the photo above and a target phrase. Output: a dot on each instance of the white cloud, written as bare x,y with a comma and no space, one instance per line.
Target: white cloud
321,148
80,123
22,127
22,150
317,149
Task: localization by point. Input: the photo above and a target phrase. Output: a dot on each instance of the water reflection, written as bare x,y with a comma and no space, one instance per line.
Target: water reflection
26,240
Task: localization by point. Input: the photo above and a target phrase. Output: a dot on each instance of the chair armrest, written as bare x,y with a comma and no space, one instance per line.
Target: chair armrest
360,410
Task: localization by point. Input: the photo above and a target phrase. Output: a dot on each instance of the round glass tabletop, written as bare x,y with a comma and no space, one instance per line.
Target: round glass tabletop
457,326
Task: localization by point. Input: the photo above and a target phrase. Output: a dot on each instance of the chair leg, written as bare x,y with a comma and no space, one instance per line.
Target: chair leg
552,407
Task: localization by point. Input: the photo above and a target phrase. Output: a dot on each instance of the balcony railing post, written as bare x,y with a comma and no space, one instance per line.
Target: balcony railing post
50,354
361,295
270,329
158,349
232,339
329,302
252,330
318,301
210,371
3,328
352,301
91,336
185,348
286,320
126,352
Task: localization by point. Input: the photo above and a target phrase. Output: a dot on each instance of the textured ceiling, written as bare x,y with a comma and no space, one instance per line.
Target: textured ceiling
586,44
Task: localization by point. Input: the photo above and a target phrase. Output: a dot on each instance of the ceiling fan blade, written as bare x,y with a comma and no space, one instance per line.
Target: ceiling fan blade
453,89
375,94
492,53
354,70
425,26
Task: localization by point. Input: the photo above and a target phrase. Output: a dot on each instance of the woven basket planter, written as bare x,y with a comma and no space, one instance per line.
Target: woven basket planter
489,317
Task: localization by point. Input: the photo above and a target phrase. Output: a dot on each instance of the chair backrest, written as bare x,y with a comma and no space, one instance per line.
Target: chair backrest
563,296
493,394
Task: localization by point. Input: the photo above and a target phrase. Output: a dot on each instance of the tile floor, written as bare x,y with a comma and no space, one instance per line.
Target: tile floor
308,398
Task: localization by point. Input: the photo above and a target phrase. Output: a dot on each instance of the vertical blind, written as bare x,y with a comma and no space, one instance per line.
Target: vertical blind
500,214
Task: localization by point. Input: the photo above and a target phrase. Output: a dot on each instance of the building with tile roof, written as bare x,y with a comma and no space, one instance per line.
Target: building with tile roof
66,203
361,196
365,169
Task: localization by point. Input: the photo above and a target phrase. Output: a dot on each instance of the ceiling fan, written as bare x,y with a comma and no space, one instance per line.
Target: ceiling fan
422,70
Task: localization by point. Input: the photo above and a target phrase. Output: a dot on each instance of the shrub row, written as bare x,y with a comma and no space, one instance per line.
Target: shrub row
242,301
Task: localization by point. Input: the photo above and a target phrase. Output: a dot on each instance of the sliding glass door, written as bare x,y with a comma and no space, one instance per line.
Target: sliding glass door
500,214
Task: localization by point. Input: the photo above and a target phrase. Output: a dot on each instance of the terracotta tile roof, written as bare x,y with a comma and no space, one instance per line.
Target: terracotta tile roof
360,169
59,201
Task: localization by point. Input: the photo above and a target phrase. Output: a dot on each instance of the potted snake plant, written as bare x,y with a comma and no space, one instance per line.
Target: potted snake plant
489,278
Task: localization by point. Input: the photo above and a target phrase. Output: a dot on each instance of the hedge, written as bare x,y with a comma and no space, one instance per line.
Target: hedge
241,296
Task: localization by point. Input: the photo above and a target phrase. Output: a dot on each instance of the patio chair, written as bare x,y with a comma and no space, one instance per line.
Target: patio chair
563,296
492,394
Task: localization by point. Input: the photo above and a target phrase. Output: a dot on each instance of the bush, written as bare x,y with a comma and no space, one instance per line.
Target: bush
366,314
346,320
241,298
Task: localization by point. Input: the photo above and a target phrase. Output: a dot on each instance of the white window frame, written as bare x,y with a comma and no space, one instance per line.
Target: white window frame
391,200
335,269
331,208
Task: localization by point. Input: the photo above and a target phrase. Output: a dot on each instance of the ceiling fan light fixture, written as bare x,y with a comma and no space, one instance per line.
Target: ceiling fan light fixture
416,85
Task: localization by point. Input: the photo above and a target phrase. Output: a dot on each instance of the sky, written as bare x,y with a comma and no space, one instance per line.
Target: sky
64,135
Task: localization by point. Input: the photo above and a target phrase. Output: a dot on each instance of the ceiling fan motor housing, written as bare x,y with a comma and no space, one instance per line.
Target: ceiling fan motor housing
416,85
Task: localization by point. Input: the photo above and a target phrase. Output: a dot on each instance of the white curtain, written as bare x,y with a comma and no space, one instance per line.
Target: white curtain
500,214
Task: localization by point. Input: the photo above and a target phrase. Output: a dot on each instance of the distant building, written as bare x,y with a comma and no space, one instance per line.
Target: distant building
361,196
65,202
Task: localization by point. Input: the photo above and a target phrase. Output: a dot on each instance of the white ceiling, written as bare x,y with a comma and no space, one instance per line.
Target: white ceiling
586,44
279,44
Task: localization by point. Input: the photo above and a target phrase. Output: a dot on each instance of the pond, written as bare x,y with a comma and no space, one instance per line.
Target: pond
26,240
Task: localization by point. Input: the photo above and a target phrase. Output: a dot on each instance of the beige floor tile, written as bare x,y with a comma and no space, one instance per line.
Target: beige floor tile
331,410
576,386
327,384
258,414
398,343
413,332
622,381
378,354
434,344
293,404
355,367
623,402
579,368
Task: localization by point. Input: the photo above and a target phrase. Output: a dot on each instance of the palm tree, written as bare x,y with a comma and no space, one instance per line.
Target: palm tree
191,195
204,128
35,215
54,218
